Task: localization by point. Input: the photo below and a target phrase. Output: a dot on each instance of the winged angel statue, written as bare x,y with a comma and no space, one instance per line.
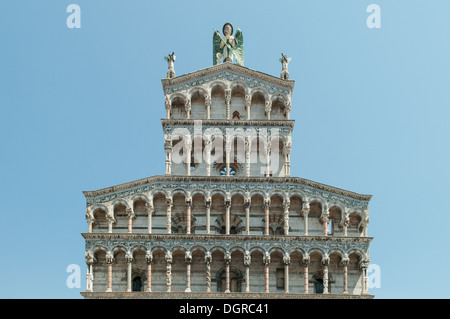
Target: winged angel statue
228,46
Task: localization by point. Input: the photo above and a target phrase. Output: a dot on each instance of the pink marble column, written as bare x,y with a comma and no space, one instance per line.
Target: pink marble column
345,278
266,216
188,216
305,262
266,272
227,272
109,261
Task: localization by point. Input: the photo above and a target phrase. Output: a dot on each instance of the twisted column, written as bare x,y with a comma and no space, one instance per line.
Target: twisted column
169,215
208,261
208,215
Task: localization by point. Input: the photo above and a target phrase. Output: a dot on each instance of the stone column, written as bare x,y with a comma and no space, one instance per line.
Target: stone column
129,259
287,152
208,216
168,151
130,215
268,108
325,263
286,217
188,215
188,157
187,105
268,153
266,217
344,263
266,262
227,155
188,259
208,147
168,107
345,223
228,102
90,219
286,261
169,261
247,216
306,260
149,258
305,212
169,215
247,262
208,106
90,260
227,217
324,219
364,265
109,261
365,225
149,209
247,156
110,219
248,103
227,272
208,260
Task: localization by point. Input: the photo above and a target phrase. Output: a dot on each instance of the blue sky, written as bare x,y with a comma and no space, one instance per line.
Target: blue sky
81,110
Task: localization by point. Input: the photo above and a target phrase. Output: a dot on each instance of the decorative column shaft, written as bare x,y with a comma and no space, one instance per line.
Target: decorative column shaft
325,262
130,215
266,216
306,261
188,215
266,272
169,215
149,271
227,272
129,259
248,102
208,216
344,263
169,261
109,261
247,156
149,209
227,217
208,260
305,212
188,158
286,218
228,102
208,106
247,262
247,216
188,259
364,265
286,261
90,259
325,221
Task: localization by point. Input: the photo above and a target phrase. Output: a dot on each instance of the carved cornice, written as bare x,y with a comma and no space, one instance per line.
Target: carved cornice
287,184
195,78
223,122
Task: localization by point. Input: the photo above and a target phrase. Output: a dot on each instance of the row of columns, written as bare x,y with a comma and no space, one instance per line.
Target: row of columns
188,148
247,104
364,264
305,211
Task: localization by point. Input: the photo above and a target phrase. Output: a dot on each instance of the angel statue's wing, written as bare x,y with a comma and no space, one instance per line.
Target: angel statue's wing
239,50
216,46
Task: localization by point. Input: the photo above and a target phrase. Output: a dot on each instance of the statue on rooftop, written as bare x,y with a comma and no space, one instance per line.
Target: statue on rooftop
170,59
227,47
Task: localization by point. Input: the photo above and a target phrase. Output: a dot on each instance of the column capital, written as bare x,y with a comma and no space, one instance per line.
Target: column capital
267,203
325,260
266,259
286,260
89,258
149,257
228,258
188,257
129,257
208,202
109,258
130,212
364,263
169,258
208,258
189,202
306,260
345,261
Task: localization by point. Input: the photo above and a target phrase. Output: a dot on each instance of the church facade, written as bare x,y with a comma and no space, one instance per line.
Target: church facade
227,220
